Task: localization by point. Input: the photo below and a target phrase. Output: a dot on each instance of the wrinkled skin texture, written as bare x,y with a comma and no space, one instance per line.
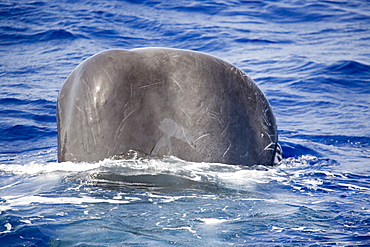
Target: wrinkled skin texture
164,102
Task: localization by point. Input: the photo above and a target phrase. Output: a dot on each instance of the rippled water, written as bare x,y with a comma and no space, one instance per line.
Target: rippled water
310,58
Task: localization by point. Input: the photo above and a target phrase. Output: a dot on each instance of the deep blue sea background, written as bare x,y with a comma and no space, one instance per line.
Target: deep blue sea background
310,58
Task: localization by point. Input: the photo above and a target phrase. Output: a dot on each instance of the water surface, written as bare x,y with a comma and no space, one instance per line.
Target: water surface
310,58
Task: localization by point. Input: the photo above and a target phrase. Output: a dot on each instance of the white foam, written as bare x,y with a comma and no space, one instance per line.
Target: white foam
35,168
181,228
8,227
354,187
230,176
27,200
26,221
212,221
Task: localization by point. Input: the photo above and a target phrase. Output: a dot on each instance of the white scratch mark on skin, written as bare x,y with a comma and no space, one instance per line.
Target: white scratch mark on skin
89,115
227,125
108,75
90,95
217,61
150,85
78,108
233,70
183,132
93,130
244,155
269,136
216,116
200,137
241,73
228,148
185,112
126,105
269,147
170,57
177,83
84,82
97,116
118,130
264,117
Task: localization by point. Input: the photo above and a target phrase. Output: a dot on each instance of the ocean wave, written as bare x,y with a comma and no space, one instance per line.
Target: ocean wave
205,7
262,41
309,174
346,67
309,12
43,105
341,77
58,34
24,132
21,36
24,117
291,149
334,140
17,114
26,126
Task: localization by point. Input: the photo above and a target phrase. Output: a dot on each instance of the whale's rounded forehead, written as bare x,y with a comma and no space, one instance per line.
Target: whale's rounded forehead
155,55
199,69
163,101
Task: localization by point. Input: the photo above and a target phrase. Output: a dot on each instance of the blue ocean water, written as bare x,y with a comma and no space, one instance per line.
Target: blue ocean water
310,58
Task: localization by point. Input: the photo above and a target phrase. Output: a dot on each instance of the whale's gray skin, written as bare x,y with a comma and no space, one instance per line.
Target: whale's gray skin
162,101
